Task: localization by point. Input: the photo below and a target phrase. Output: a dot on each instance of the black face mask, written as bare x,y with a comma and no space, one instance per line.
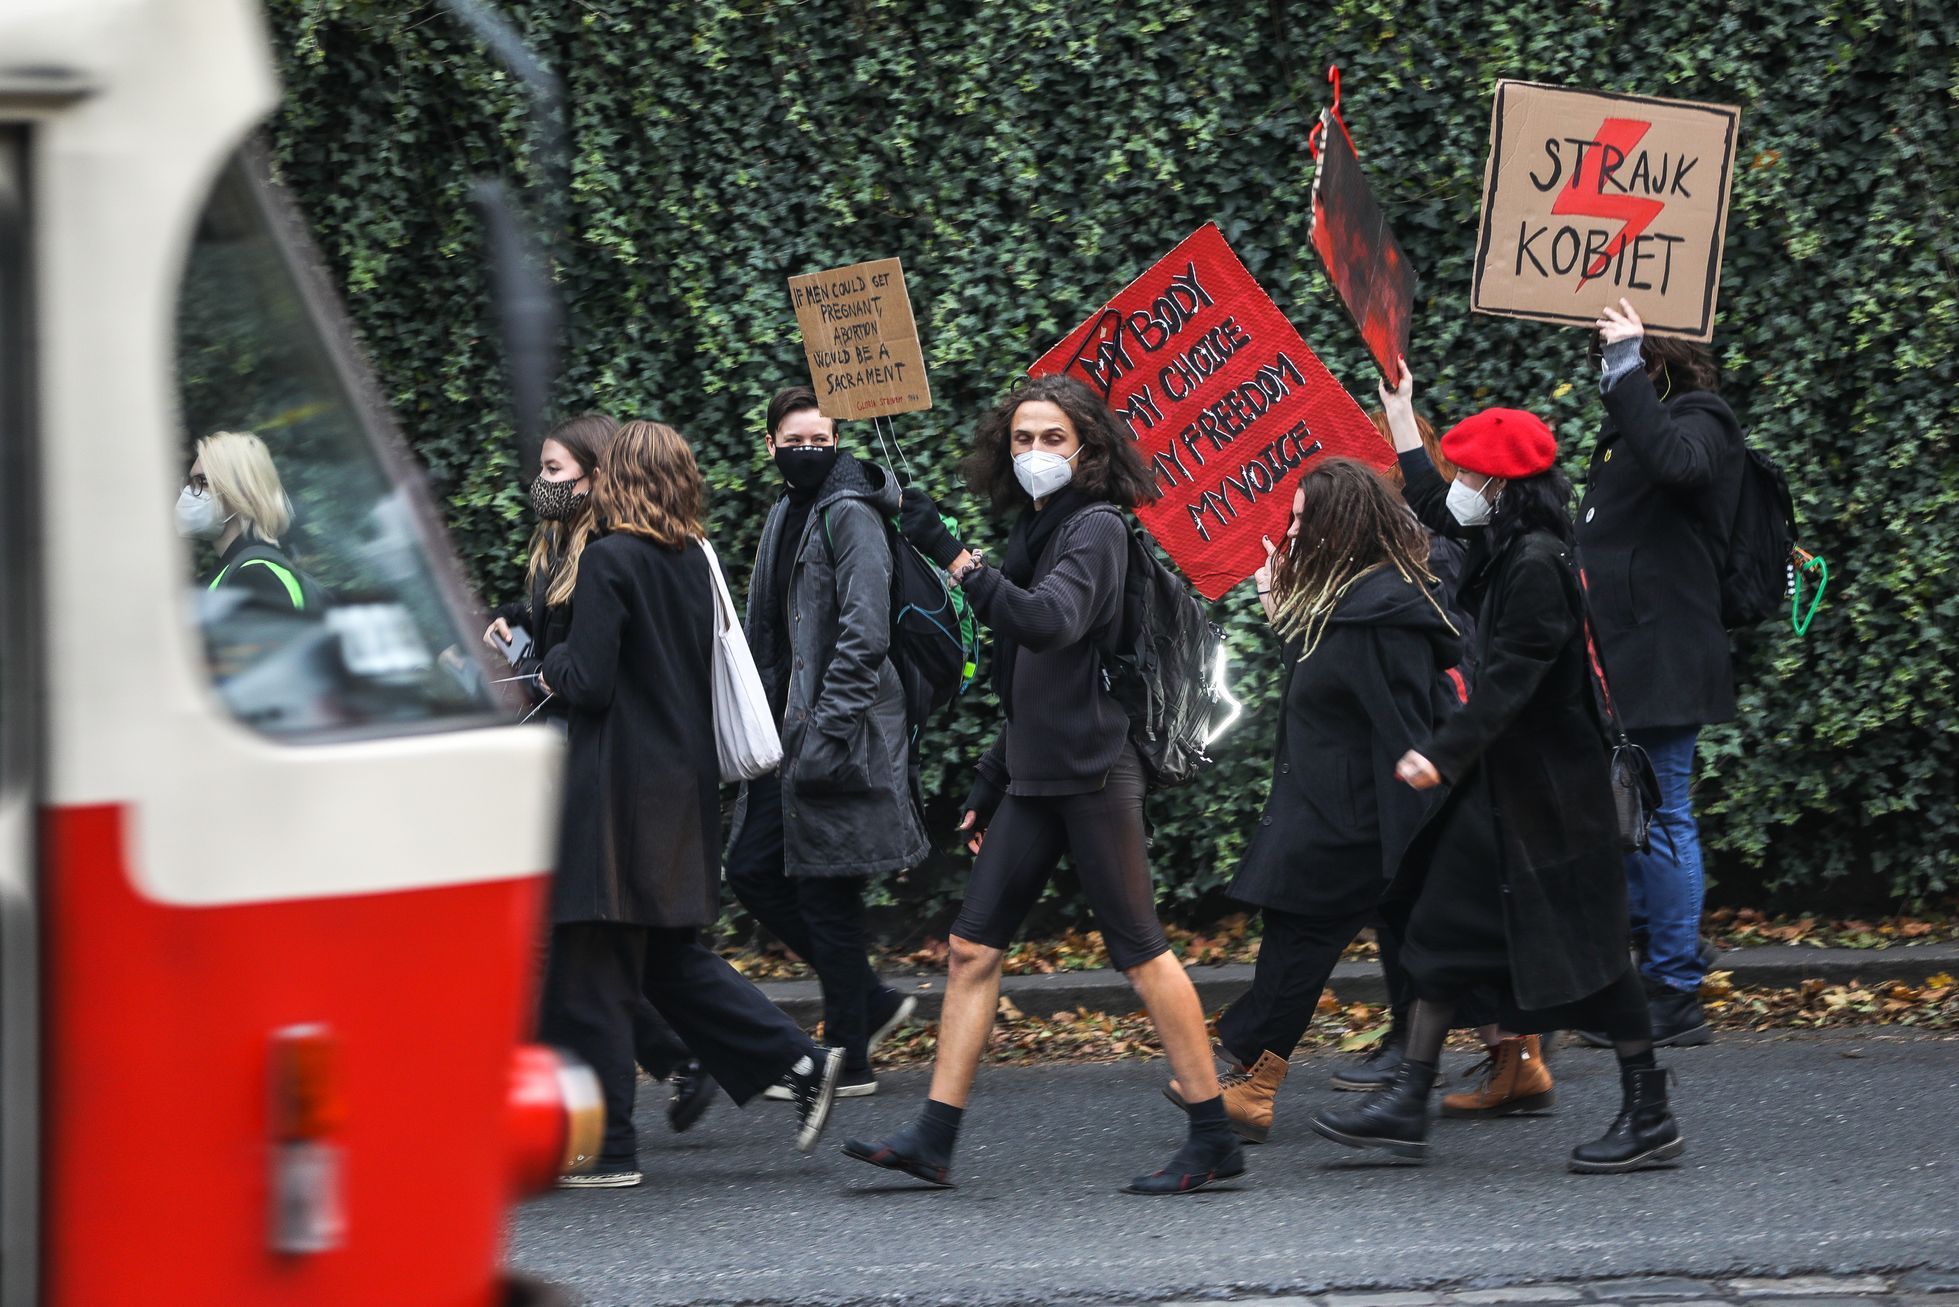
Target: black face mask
554,501
806,467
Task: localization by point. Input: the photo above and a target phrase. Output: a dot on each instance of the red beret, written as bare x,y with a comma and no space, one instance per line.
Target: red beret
1502,442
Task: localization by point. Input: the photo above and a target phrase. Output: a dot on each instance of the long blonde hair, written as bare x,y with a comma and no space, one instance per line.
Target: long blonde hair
239,469
557,545
1351,524
651,486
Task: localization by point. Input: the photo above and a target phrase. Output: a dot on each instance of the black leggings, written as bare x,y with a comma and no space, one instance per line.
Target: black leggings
1103,832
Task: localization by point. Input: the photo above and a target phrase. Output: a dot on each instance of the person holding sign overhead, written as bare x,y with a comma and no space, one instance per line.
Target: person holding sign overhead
1653,534
1063,777
1516,881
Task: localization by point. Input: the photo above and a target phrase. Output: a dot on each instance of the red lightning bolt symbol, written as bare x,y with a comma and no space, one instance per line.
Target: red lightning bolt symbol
1586,196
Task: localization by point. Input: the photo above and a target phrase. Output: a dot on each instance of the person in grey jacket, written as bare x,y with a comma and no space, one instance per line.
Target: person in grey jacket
840,809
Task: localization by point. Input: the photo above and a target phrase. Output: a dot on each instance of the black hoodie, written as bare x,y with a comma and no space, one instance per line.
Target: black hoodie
1337,820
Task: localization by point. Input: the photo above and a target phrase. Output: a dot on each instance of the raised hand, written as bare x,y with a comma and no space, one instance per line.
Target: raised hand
1622,323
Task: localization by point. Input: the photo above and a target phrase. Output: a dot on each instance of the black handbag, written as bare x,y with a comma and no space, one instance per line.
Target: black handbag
1635,785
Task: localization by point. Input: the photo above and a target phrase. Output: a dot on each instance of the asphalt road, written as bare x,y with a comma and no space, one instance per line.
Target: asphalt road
1831,1153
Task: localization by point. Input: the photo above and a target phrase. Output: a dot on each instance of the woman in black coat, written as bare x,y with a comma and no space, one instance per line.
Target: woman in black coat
1516,881
1367,648
638,872
567,520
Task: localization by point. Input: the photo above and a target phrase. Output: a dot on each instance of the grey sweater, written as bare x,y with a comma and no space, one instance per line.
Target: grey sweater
1066,732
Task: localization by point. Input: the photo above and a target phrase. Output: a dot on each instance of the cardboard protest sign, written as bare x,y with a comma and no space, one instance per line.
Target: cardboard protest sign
1589,196
861,340
1225,402
1363,260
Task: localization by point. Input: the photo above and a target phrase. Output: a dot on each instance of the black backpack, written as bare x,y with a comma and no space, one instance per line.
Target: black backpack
1761,539
308,597
1166,667
935,639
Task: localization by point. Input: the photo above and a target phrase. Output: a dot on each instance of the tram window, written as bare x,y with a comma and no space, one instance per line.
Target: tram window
314,583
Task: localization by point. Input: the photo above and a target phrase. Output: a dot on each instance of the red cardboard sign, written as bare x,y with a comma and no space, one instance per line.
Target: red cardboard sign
1225,400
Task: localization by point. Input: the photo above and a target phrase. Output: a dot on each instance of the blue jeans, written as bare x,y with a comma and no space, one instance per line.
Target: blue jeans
1664,886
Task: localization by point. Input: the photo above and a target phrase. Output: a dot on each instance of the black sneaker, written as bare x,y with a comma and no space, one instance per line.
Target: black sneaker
1677,1017
693,1094
814,1086
850,1084
1678,1020
857,1084
603,1175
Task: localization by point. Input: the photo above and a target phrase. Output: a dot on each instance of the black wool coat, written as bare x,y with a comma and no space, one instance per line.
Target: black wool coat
1528,758
1338,821
1652,538
641,840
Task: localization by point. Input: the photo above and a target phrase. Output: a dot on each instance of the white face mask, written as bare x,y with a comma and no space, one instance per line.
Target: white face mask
1041,473
1468,506
198,517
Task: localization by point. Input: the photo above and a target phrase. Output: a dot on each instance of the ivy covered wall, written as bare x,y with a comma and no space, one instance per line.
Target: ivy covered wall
1027,159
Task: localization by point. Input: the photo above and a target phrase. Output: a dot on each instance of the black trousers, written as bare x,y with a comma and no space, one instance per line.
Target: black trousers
1103,832
593,981
821,918
1294,961
659,1050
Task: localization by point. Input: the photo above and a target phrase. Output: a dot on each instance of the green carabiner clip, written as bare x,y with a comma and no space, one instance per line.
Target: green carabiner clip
1807,562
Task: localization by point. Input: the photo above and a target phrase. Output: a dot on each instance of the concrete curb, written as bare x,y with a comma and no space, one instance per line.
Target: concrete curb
1780,966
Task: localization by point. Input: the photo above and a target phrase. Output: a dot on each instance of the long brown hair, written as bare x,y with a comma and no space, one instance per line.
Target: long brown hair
1108,467
1350,524
557,545
651,486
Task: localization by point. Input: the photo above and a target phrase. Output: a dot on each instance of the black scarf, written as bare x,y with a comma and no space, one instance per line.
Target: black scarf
795,518
1026,543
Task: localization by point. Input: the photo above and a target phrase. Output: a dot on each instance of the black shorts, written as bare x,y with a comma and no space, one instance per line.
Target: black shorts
1104,834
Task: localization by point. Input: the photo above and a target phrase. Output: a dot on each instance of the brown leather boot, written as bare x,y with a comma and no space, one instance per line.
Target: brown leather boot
1517,1084
1248,1097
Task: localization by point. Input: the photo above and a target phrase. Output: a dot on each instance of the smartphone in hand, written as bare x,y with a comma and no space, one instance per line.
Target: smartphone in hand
516,648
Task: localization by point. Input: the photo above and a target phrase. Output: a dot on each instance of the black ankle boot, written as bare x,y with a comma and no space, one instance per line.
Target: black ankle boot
1394,1118
1644,1134
1376,1070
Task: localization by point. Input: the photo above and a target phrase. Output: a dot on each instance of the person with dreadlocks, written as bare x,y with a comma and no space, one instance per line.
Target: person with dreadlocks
1515,881
1367,645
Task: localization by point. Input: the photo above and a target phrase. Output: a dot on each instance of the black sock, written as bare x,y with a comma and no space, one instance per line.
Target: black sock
937,1129
1208,1121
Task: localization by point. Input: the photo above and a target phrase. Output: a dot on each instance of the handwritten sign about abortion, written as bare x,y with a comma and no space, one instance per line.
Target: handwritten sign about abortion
1363,260
861,340
1590,196
1224,400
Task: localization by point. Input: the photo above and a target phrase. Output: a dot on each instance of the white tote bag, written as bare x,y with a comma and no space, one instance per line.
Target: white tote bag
744,728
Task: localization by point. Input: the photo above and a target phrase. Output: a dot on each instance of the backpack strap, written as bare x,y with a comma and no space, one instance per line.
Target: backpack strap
283,574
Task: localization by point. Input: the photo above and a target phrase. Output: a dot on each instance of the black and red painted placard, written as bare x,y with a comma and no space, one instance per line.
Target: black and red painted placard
1224,399
1363,260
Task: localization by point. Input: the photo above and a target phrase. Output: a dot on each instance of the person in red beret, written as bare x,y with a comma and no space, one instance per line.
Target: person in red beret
1516,881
